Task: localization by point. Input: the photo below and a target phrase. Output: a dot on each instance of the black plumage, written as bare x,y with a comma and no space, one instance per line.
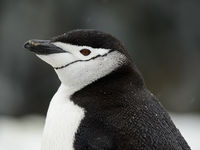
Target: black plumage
125,115
121,113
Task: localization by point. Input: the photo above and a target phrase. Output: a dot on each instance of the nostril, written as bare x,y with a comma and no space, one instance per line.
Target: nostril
33,43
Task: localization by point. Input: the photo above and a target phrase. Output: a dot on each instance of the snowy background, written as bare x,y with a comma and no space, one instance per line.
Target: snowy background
25,133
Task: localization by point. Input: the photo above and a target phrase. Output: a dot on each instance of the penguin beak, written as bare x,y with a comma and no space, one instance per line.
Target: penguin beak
42,47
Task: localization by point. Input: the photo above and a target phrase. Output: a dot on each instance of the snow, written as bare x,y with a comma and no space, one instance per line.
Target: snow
189,126
25,133
21,134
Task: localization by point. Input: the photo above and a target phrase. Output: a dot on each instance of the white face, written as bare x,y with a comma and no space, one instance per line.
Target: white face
82,65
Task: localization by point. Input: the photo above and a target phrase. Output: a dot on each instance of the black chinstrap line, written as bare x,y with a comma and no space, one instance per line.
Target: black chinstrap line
64,66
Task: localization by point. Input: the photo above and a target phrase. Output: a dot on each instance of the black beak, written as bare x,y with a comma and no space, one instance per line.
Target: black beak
42,47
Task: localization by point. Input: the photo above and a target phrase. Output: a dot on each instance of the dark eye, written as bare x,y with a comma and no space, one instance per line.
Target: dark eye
85,52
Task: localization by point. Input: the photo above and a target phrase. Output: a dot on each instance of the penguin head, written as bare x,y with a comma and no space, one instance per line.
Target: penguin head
80,57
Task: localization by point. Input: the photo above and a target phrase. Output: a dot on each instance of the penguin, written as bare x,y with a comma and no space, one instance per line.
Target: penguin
102,102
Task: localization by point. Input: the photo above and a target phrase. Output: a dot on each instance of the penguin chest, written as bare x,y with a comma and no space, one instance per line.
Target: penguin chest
62,122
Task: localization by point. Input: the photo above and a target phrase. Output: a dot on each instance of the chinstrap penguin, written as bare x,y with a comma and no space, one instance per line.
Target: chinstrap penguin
102,102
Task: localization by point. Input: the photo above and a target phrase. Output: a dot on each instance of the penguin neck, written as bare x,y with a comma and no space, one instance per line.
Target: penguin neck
123,83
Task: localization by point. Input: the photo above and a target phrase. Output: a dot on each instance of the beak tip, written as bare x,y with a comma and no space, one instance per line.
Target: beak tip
27,44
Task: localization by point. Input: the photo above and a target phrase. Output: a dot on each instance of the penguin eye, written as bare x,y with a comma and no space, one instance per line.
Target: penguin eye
85,52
